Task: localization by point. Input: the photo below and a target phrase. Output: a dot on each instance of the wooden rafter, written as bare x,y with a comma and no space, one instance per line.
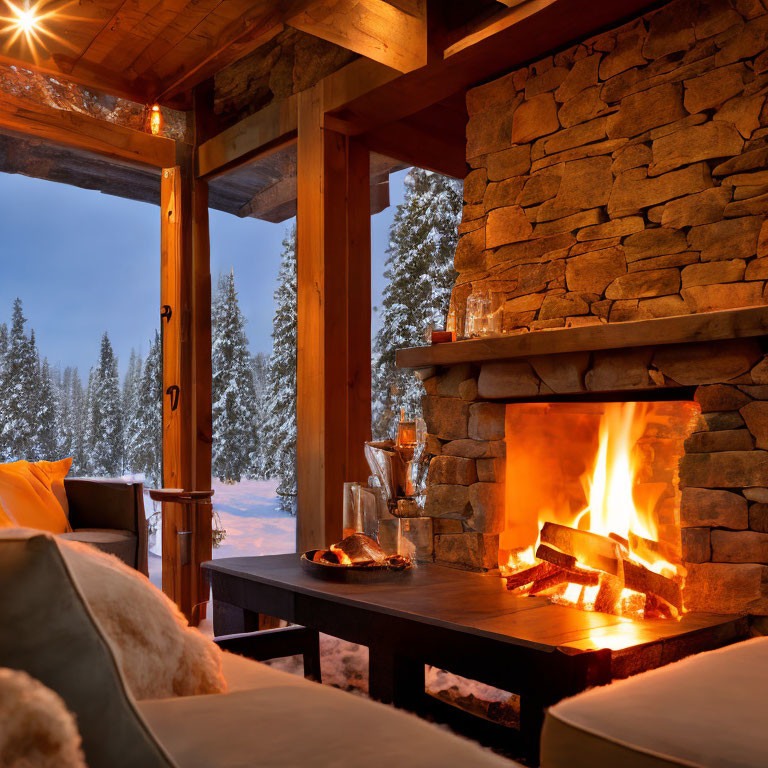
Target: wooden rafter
392,34
257,133
84,132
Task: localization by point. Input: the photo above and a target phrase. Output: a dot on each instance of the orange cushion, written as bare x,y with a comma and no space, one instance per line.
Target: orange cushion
32,495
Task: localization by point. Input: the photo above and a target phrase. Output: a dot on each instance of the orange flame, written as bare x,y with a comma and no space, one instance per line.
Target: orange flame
614,506
344,558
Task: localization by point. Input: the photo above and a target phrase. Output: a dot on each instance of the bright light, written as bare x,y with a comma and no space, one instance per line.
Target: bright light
27,20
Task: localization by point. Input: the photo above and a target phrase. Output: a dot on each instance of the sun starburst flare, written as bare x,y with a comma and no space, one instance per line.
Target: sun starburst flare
31,23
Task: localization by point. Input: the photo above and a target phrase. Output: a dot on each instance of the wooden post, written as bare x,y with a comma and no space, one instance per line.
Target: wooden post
186,301
334,308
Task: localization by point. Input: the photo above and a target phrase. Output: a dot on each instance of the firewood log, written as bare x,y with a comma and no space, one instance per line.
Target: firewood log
553,580
608,598
568,563
599,552
651,550
529,575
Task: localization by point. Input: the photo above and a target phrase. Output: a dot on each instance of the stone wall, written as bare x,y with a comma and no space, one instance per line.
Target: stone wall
624,178
723,474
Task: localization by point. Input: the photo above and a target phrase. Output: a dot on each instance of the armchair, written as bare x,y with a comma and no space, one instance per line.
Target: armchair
109,515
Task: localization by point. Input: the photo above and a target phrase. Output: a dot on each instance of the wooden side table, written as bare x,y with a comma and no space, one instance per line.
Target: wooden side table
186,545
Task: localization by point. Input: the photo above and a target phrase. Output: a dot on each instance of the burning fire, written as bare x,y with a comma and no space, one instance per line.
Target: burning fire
621,548
344,558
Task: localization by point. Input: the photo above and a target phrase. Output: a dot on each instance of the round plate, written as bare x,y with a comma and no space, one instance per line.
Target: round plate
350,574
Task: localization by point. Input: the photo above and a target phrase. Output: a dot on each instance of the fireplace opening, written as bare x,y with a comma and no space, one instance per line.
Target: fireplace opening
592,504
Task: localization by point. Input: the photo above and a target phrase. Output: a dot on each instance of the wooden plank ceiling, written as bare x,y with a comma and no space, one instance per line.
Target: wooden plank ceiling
156,50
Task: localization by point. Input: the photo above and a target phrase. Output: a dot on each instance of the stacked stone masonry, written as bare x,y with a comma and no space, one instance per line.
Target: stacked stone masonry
624,178
723,473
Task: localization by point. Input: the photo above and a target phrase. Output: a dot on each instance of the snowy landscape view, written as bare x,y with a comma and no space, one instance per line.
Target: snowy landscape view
106,412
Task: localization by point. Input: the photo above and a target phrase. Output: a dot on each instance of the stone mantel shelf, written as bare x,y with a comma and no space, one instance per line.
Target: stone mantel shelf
709,326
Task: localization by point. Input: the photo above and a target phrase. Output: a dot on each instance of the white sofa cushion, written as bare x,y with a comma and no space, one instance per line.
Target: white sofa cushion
159,653
303,723
707,710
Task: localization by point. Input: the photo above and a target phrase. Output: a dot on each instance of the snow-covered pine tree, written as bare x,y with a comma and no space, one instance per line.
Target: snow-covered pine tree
277,437
420,276
130,406
46,421
106,417
17,392
78,422
234,399
3,342
146,427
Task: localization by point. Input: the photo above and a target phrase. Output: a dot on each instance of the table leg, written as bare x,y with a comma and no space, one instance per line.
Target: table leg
311,657
531,722
395,679
232,620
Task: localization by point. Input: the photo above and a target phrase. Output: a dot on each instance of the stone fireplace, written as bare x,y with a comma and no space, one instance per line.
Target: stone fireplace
617,199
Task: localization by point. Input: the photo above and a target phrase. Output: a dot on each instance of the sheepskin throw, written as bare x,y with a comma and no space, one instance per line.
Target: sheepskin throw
159,654
36,729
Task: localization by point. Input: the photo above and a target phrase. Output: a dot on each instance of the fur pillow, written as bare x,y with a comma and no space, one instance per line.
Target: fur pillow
159,654
36,728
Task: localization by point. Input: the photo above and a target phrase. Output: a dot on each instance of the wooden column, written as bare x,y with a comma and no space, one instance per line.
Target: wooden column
186,329
334,320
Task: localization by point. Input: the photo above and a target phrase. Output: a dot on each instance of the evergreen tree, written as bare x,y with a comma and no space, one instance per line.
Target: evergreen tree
234,398
420,277
278,434
106,418
130,407
78,425
3,342
145,450
46,422
17,392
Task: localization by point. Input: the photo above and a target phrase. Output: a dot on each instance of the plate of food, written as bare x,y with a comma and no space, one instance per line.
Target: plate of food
356,559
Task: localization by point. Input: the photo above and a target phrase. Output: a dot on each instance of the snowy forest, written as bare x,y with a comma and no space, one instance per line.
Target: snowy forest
112,427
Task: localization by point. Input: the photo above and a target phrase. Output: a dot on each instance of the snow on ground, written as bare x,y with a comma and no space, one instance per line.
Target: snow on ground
249,514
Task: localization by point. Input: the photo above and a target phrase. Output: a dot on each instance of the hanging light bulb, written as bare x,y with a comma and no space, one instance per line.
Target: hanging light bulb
156,120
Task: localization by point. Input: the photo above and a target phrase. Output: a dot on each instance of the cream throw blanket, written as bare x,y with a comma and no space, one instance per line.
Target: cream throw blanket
36,729
159,654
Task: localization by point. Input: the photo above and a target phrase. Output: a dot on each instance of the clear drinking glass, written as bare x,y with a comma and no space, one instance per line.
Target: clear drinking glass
352,518
478,313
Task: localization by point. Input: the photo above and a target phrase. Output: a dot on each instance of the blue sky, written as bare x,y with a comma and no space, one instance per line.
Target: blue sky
84,263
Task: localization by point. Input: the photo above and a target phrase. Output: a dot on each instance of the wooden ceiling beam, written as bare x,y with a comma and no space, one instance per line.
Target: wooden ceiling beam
394,34
405,141
85,132
545,26
516,12
267,129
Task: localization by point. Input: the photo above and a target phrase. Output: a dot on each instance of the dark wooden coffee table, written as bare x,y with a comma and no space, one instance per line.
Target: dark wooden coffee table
465,623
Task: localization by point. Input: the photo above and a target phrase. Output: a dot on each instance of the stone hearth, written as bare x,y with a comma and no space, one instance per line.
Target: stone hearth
723,474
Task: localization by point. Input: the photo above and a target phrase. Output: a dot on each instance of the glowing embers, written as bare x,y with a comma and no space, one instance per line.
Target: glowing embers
595,486
32,24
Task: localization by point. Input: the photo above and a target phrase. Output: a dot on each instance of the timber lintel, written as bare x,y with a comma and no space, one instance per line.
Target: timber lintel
85,132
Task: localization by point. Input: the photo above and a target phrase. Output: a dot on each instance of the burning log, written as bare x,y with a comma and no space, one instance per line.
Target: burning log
653,550
554,580
588,548
530,575
608,598
620,539
569,565
599,552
